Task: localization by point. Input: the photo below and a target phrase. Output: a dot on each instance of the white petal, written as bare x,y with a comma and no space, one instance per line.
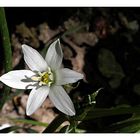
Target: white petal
36,98
33,59
61,100
54,55
65,76
19,79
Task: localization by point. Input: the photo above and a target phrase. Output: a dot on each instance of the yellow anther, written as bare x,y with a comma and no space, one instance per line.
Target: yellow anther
47,78
44,78
35,78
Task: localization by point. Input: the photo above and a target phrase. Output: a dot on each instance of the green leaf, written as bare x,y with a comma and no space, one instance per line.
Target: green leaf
64,129
28,130
92,97
9,129
110,68
128,126
15,128
133,25
55,124
29,122
137,89
90,102
4,33
5,41
92,113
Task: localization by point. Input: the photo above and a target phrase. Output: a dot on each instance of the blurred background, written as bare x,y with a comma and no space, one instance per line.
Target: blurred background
101,43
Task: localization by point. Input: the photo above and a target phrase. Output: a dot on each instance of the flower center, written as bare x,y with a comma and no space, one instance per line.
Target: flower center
45,78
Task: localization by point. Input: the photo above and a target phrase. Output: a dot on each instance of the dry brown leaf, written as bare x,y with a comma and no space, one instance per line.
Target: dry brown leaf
71,23
78,61
45,33
88,38
27,35
16,57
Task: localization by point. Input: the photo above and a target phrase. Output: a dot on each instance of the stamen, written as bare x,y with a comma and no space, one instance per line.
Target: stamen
44,78
35,78
40,83
47,78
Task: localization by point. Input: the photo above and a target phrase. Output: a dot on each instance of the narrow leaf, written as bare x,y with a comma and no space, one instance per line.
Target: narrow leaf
55,124
4,33
30,122
9,129
92,113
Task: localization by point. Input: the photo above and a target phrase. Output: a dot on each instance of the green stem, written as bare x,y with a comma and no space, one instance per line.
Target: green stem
4,33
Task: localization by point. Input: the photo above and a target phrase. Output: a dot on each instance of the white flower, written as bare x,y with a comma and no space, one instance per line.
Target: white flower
45,78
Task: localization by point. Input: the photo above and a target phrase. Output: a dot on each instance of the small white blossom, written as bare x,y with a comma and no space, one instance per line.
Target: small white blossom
45,78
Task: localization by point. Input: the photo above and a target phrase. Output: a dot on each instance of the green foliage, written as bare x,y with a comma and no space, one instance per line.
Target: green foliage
78,123
55,124
7,53
14,129
137,89
110,68
25,121
104,112
9,129
131,125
